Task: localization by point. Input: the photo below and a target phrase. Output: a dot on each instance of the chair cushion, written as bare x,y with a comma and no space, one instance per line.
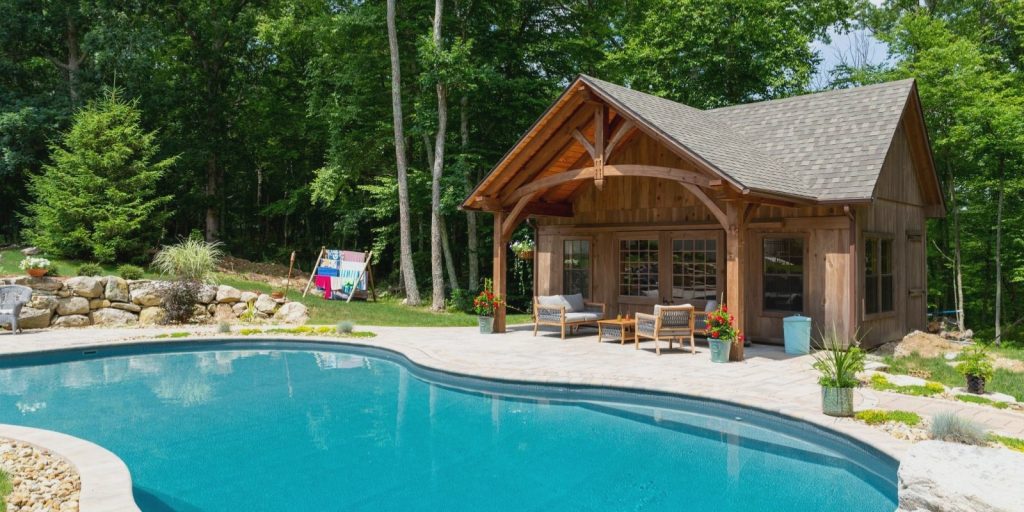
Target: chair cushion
582,317
575,303
710,306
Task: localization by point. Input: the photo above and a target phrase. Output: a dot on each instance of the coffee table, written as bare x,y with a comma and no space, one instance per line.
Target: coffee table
616,328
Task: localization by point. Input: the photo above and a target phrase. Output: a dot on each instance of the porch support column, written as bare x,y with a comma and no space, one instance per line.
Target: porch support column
500,269
736,268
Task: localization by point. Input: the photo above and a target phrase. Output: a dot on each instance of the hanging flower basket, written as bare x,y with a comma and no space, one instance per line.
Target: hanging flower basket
525,255
523,249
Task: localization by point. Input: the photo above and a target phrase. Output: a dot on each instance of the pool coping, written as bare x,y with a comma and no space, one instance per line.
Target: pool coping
106,483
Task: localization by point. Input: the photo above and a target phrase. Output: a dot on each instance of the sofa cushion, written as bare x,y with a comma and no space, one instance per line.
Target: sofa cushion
554,300
582,317
575,303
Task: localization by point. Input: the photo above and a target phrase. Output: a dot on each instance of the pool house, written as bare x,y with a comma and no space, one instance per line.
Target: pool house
812,205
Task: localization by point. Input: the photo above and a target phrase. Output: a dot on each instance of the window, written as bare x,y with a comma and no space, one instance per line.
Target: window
878,285
695,269
576,267
638,268
783,274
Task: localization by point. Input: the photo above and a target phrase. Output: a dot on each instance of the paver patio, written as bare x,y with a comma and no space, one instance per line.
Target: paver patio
768,379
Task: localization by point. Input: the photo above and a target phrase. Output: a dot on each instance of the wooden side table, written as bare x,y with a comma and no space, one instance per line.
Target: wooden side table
615,328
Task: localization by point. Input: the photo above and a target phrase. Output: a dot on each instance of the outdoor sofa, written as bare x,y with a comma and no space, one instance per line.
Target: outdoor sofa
565,311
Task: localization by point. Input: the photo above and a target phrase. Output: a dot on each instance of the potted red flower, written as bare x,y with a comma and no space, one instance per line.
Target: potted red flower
722,334
485,304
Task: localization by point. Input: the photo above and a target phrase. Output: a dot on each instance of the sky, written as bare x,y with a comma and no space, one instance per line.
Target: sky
846,44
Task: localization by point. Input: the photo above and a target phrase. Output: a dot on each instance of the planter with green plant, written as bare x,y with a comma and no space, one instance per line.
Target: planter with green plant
976,367
838,364
485,305
523,249
722,333
36,267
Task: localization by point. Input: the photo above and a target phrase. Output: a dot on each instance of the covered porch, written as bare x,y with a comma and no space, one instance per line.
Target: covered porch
630,217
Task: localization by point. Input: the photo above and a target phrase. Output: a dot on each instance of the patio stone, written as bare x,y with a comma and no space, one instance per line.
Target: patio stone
935,476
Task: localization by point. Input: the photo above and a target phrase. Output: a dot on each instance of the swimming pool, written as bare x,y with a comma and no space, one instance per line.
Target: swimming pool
253,426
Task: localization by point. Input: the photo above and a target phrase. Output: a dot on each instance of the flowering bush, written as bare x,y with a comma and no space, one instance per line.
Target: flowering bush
722,325
486,303
33,263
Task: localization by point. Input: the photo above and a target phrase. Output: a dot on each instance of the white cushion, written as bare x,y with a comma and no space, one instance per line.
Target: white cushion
657,307
554,300
710,306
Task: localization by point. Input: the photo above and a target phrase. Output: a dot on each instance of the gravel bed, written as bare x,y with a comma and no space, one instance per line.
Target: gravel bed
41,481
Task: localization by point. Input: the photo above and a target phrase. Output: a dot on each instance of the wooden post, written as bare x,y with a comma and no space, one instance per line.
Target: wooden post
316,265
500,269
736,268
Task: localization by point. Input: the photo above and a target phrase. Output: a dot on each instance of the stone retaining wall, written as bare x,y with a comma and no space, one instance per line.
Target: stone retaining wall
113,301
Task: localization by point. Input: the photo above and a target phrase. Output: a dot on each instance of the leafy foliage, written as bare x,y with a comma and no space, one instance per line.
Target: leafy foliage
90,269
130,272
880,383
191,260
839,361
975,399
99,198
975,361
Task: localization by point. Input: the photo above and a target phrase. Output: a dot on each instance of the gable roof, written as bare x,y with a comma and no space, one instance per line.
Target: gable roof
826,147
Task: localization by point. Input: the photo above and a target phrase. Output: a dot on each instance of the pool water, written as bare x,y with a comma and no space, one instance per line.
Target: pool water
272,427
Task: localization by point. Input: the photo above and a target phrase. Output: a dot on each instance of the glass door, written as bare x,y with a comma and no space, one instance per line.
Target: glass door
698,267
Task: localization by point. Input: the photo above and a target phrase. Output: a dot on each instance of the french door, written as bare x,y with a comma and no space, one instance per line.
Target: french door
669,267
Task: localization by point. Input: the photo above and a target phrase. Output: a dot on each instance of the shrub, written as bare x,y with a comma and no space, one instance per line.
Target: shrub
840,360
345,327
130,272
877,417
249,315
191,259
461,300
90,269
98,199
949,427
223,327
180,300
974,361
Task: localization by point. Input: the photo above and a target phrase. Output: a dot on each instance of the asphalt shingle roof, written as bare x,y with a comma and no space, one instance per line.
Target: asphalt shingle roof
828,146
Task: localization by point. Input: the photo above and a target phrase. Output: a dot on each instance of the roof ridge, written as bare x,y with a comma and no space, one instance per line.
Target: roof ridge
816,95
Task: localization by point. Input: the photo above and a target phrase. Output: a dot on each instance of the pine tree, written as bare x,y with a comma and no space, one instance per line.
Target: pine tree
98,199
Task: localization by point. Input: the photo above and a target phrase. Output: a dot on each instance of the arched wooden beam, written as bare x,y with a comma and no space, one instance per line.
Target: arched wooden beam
709,203
646,171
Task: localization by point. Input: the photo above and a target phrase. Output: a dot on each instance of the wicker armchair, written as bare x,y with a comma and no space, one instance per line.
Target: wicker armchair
701,323
559,310
12,298
672,322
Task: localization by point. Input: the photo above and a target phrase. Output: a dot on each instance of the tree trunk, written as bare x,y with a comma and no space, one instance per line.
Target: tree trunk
75,58
999,243
958,275
472,243
412,292
212,189
449,262
436,270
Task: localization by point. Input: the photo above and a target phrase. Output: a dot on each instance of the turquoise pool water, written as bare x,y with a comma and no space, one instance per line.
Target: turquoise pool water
283,427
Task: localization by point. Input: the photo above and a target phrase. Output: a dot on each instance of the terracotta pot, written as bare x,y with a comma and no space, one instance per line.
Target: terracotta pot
277,295
37,272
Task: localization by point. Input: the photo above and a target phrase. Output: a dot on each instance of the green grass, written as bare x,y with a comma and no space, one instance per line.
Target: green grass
975,399
878,417
9,260
880,383
5,489
173,335
309,330
386,312
1003,381
1010,442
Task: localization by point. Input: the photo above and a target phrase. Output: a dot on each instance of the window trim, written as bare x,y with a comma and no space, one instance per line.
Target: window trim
880,314
781,313
589,295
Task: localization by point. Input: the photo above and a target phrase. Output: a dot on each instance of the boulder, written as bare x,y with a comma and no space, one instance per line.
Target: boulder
117,290
935,476
224,313
265,304
84,286
30,251
111,316
228,294
43,302
73,306
207,294
248,297
72,321
32,318
152,316
126,306
200,314
239,307
292,313
43,284
99,303
147,293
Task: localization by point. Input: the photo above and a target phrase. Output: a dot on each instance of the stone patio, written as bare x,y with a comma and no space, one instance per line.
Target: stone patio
768,379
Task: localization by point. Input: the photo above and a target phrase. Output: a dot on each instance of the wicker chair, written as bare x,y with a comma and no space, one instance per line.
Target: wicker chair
672,322
12,298
558,310
701,324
